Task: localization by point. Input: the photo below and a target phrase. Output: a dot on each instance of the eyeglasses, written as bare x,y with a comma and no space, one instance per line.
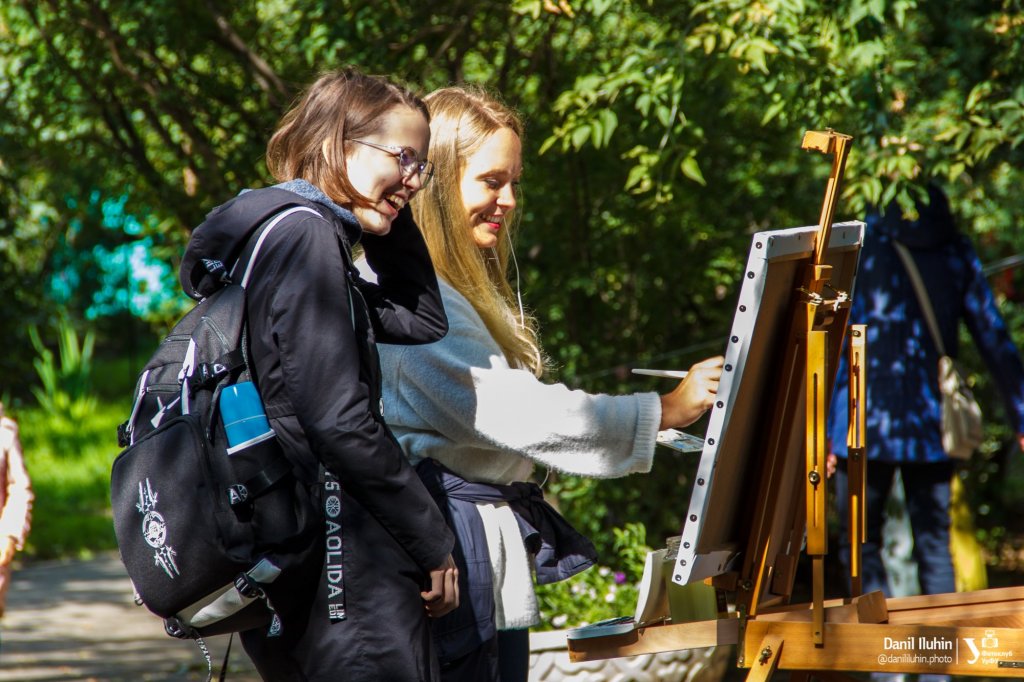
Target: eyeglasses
408,164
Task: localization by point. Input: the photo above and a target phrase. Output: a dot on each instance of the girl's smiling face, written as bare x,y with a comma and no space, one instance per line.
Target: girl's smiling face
377,174
489,181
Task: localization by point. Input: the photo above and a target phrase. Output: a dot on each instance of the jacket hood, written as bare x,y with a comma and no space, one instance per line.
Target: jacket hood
218,241
933,229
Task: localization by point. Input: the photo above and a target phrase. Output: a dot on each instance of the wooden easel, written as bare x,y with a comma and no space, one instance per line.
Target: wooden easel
972,634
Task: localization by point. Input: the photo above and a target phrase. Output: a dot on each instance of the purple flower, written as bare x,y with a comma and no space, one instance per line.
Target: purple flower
620,577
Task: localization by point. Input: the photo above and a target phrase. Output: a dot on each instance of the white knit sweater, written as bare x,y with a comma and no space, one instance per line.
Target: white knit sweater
459,401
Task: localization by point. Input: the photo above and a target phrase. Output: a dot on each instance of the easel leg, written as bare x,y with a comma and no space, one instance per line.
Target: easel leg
767,659
857,451
816,488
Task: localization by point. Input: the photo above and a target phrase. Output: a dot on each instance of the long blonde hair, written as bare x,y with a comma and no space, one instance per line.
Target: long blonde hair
461,119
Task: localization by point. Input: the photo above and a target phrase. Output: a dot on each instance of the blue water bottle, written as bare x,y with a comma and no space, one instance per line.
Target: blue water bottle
241,411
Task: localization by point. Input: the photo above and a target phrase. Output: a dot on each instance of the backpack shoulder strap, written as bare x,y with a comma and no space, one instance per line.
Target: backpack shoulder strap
248,257
256,242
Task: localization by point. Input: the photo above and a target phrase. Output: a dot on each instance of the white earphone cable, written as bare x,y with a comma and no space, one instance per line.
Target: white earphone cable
519,295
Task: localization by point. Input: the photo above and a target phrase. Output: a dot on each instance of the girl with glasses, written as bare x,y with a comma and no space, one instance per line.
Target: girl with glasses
473,414
355,605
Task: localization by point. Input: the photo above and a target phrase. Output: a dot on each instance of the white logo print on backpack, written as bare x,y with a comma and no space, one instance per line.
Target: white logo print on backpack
154,530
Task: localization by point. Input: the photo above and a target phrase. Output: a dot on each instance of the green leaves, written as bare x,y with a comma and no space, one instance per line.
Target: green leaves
66,387
753,53
691,169
977,94
65,393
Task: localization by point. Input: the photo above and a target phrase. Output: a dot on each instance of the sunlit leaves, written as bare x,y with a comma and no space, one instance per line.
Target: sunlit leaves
752,53
691,169
877,68
639,179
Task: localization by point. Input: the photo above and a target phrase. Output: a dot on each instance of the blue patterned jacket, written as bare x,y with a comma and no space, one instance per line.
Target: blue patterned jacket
903,405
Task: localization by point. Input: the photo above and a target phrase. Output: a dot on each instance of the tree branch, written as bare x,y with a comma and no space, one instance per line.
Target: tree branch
105,31
119,124
265,76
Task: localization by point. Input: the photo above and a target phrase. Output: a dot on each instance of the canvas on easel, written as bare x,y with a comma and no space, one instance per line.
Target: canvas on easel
713,533
760,496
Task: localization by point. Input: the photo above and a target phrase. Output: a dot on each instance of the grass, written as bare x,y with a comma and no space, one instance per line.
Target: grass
71,480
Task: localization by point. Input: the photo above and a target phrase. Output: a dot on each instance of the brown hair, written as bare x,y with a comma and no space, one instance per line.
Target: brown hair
309,142
461,120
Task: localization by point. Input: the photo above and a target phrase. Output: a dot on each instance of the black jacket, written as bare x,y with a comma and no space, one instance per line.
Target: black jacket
318,376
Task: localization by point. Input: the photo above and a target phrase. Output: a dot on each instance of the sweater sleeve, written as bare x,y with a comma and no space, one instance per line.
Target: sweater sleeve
467,398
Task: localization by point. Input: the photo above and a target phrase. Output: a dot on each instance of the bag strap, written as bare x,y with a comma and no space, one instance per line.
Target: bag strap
922,294
261,236
238,359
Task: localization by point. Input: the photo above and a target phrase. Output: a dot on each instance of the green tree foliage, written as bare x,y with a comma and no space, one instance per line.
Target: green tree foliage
660,135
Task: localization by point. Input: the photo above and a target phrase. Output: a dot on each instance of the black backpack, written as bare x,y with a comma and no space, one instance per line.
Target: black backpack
201,531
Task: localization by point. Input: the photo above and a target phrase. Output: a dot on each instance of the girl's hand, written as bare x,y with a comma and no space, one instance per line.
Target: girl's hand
443,593
693,396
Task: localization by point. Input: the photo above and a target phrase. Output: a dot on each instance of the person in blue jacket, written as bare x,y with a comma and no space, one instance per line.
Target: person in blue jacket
903,401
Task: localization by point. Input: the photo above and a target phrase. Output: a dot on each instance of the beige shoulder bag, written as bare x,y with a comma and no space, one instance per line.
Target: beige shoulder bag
962,430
